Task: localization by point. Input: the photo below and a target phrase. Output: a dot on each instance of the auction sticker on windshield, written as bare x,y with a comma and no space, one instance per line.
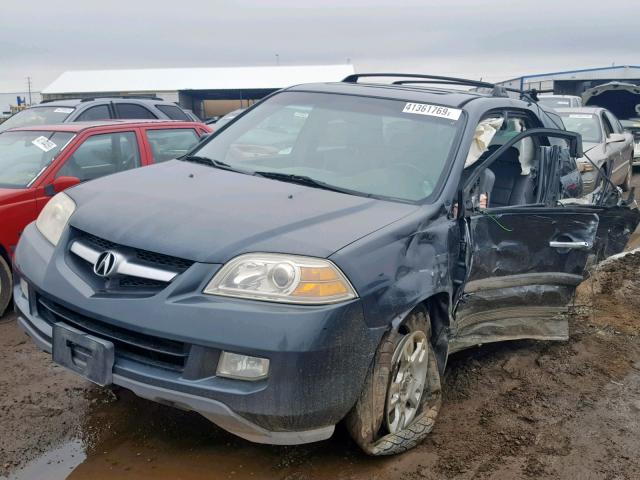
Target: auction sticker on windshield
432,110
44,144
63,110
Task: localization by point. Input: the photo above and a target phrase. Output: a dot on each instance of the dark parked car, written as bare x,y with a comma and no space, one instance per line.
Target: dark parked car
92,109
290,274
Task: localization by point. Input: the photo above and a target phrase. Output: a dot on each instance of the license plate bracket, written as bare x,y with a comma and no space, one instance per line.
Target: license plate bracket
84,354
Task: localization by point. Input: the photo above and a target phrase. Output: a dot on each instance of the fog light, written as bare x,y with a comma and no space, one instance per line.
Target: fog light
242,367
24,288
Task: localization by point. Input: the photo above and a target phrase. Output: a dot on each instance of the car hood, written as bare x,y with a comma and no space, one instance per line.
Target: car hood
210,215
609,87
621,99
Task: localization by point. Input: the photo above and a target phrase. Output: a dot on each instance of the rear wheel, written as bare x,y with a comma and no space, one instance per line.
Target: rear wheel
6,285
402,394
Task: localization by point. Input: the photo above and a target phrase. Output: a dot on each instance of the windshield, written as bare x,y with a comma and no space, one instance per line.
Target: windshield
23,155
585,124
37,116
555,102
370,146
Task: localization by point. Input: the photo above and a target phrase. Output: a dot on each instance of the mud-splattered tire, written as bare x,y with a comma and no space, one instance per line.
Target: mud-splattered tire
365,422
6,285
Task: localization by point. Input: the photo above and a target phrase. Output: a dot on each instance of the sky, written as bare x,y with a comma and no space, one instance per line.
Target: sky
492,40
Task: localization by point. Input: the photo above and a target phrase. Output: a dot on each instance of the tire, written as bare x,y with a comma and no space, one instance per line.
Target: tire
6,285
366,421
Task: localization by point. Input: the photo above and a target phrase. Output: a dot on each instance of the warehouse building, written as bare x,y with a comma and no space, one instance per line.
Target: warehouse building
575,82
205,91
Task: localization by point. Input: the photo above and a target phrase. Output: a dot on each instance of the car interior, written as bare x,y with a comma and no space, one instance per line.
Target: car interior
512,178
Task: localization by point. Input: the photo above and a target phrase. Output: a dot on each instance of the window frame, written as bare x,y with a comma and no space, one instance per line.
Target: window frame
144,132
87,136
92,107
466,184
605,122
116,106
160,107
613,120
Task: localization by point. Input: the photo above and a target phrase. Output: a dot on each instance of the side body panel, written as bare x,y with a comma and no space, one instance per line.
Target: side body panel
518,284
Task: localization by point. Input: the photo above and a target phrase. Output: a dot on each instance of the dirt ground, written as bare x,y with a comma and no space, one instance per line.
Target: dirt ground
517,410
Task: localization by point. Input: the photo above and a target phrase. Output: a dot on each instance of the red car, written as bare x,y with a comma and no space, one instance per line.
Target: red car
37,162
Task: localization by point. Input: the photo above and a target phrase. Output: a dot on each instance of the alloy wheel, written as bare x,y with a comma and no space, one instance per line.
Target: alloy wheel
409,375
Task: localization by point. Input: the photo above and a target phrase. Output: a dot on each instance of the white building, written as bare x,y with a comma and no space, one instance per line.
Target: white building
206,91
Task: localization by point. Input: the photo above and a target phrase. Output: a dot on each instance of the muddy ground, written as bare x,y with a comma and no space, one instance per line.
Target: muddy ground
517,410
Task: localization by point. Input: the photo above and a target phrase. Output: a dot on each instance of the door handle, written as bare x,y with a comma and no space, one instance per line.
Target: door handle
571,245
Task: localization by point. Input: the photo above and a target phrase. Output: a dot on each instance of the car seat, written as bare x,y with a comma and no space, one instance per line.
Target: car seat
510,186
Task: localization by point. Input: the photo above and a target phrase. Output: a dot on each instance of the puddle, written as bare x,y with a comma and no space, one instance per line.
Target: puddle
134,438
54,464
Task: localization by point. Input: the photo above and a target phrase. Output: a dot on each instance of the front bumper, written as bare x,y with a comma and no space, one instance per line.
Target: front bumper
318,356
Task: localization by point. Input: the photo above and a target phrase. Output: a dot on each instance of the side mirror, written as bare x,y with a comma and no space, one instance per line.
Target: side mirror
615,138
60,184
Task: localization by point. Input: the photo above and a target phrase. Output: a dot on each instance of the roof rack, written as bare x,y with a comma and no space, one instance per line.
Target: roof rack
91,99
131,97
496,90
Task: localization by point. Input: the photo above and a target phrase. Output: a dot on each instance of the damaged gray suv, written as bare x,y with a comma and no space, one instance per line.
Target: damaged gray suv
318,258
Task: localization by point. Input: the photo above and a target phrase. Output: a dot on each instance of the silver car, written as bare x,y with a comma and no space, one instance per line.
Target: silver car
560,101
605,142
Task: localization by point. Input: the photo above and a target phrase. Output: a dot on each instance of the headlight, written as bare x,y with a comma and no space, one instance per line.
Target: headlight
282,278
54,217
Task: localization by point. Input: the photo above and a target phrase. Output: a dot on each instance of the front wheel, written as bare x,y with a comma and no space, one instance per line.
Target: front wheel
401,397
6,285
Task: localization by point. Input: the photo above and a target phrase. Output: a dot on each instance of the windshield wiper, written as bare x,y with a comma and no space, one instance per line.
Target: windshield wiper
212,162
205,161
307,181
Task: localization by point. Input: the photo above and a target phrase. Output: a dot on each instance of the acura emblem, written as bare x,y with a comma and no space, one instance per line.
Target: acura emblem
105,265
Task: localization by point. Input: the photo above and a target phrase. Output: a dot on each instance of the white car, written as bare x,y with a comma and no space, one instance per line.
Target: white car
560,101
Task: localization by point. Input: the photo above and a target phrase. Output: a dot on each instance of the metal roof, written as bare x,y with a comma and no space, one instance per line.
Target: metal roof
620,71
174,79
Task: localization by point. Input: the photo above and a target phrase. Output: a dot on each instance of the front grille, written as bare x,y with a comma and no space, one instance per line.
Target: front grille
148,349
128,284
153,259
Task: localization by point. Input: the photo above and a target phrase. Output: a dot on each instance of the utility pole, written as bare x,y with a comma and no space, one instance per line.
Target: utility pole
29,88
277,59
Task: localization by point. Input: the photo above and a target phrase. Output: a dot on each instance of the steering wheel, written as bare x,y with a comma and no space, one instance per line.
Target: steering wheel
416,174
410,166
